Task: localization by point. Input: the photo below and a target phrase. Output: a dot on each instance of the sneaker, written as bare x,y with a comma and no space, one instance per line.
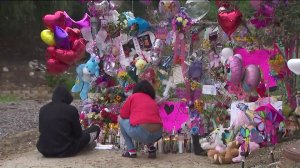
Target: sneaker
129,154
152,152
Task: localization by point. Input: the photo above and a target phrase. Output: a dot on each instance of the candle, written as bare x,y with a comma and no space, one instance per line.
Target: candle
180,146
160,146
109,138
180,143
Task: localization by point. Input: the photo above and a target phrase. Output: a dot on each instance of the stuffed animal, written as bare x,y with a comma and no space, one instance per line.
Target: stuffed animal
224,157
231,152
218,138
85,74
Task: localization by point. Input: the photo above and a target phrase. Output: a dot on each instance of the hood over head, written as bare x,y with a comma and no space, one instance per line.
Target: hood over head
61,94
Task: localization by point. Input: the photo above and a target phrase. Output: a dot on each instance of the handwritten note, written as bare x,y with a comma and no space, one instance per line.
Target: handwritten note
209,90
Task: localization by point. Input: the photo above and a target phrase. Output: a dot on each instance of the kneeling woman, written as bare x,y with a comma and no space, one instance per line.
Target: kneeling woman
140,119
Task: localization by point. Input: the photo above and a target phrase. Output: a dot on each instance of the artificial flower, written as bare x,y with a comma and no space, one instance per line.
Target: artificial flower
179,19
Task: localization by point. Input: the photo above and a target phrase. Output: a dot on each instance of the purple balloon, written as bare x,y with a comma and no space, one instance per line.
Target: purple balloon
84,22
61,38
69,20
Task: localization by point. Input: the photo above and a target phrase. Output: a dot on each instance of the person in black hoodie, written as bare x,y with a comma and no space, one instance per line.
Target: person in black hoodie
61,134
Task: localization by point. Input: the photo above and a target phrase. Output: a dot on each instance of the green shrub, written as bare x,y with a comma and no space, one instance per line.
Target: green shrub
8,98
54,80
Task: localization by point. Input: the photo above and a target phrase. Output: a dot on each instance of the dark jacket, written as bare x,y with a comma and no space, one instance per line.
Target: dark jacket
59,126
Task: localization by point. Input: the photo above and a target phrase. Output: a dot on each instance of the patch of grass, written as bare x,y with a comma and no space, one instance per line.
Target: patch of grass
8,98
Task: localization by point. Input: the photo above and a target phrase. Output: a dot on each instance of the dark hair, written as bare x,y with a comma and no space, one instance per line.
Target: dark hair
144,87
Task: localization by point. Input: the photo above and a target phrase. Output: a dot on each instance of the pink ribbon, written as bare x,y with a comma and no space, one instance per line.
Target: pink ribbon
179,57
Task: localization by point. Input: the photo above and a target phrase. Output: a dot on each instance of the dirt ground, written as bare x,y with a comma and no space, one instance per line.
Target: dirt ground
17,148
112,158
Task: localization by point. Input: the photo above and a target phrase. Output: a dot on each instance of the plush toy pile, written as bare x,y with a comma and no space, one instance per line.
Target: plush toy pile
215,80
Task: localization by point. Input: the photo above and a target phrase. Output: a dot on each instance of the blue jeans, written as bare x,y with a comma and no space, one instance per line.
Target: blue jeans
137,133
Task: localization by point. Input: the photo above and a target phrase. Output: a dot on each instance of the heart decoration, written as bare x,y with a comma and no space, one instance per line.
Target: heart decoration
229,21
173,115
58,19
294,65
169,108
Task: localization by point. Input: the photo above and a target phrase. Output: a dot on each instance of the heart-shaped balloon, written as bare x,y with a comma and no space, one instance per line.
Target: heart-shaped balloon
79,48
84,22
229,20
197,9
56,67
48,37
74,34
98,8
58,19
50,52
294,65
61,38
66,56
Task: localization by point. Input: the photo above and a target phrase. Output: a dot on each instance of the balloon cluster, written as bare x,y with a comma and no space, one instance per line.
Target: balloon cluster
65,43
237,74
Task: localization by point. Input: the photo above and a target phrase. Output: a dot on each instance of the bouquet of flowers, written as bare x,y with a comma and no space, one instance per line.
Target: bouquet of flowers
181,22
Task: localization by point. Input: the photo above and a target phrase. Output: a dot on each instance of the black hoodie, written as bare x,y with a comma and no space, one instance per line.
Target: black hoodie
59,126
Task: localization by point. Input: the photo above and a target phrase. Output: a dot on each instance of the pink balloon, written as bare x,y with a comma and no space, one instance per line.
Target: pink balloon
252,78
58,19
236,70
